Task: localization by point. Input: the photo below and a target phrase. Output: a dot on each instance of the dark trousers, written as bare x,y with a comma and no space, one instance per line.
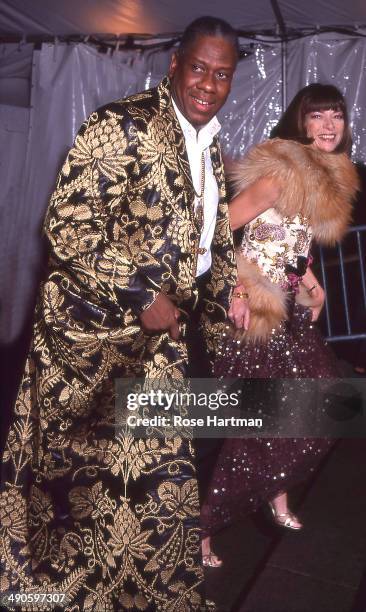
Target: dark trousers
206,449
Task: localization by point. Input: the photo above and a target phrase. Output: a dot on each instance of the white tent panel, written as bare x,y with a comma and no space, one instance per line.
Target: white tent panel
166,16
126,16
15,74
14,133
327,13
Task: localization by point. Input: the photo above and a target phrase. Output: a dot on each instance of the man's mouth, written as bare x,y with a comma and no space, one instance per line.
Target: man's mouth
202,103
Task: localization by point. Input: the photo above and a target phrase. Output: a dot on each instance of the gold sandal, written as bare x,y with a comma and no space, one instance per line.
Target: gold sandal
285,519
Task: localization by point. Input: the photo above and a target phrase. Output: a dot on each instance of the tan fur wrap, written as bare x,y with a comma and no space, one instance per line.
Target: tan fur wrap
267,301
319,185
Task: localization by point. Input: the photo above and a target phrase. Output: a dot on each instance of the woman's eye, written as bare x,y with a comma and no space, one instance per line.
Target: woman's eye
339,116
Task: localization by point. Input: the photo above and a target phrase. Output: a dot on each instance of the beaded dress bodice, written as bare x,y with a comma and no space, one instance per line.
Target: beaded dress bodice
275,243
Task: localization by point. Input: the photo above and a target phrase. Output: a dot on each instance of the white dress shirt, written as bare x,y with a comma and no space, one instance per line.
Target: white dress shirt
196,143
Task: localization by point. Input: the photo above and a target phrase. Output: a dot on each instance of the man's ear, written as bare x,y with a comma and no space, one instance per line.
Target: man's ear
173,64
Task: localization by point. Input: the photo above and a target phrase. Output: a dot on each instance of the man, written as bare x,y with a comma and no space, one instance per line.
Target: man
109,520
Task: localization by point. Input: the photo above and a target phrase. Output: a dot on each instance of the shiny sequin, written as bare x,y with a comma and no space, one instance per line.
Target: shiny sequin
267,467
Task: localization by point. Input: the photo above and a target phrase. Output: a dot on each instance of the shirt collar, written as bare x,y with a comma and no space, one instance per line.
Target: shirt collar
205,135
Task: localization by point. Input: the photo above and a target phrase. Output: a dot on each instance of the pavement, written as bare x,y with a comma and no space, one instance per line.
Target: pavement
321,568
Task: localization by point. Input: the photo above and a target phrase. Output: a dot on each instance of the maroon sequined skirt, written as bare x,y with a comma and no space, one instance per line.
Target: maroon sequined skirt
251,471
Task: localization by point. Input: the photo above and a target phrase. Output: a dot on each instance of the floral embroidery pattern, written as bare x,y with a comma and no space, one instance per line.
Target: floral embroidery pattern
85,508
274,242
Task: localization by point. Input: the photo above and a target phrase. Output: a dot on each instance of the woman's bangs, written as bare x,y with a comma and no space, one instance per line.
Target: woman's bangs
313,106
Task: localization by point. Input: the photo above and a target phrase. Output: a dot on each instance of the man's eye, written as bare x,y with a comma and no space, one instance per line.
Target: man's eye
196,68
222,76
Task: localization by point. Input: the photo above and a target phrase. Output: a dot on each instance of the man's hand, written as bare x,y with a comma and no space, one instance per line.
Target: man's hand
162,315
239,312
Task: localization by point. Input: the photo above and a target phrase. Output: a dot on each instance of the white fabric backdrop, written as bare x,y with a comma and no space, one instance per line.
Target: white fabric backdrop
14,129
15,73
70,81
159,16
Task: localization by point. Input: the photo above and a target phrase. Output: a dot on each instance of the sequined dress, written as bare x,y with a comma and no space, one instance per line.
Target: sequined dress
251,471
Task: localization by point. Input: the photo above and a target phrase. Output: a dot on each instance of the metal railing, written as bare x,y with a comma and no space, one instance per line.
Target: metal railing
347,293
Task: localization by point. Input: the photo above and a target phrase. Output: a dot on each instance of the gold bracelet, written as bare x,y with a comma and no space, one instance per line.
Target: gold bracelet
241,294
312,289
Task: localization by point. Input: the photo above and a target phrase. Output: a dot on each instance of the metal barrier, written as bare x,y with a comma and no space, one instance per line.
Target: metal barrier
358,258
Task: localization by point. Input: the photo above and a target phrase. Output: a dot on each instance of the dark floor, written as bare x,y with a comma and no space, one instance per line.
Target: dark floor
319,569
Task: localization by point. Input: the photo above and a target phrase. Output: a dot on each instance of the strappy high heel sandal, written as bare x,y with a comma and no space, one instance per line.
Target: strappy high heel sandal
285,519
211,560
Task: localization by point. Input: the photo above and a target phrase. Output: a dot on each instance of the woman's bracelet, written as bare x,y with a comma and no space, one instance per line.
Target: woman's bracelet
311,289
241,294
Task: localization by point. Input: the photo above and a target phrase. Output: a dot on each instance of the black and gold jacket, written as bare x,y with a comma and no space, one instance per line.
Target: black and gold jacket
121,223
86,509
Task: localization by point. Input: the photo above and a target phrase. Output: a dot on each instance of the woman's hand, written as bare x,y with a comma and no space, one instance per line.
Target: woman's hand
316,293
318,296
239,312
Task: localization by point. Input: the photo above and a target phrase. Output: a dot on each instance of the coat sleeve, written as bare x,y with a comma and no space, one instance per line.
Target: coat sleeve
93,235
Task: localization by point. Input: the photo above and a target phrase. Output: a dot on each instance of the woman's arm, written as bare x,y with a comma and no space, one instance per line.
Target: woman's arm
247,205
253,201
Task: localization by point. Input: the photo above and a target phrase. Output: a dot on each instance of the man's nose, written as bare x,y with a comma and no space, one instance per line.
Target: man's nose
207,82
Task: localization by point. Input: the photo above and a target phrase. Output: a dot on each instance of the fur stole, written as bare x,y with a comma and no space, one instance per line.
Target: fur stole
319,185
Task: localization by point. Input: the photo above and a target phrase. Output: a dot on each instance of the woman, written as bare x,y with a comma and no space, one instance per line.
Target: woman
289,190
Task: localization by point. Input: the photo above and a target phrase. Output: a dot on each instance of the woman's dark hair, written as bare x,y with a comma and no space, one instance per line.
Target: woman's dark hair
314,97
208,26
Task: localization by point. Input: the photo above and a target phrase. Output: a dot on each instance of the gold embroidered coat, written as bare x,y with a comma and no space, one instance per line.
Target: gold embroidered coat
85,510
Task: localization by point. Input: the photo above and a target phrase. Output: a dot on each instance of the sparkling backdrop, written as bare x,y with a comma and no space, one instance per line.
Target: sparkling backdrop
255,103
336,60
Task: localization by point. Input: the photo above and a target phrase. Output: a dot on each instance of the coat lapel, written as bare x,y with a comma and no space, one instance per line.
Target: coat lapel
218,169
166,109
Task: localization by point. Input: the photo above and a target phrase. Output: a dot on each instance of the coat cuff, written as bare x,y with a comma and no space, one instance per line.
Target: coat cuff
143,294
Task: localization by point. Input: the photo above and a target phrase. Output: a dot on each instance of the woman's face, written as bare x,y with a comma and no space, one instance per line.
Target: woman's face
326,127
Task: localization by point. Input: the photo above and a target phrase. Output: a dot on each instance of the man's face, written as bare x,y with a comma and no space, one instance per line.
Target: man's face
201,78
